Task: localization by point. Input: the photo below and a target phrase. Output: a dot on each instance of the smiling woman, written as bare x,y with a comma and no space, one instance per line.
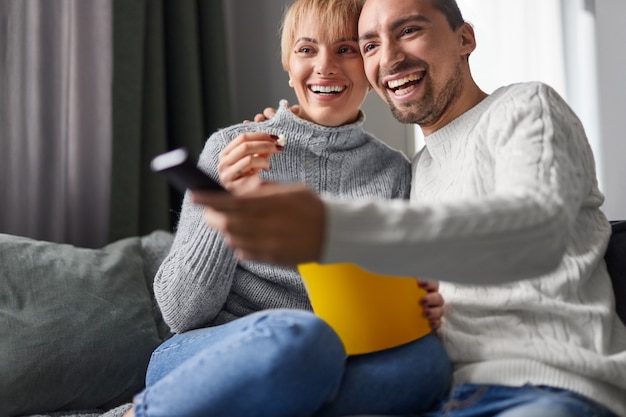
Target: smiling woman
324,65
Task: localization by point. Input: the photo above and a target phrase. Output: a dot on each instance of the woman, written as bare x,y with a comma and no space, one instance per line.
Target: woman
247,343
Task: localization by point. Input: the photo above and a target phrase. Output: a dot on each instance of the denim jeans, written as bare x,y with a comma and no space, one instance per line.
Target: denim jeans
469,400
288,363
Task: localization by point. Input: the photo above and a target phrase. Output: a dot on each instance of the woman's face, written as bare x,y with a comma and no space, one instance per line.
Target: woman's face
327,75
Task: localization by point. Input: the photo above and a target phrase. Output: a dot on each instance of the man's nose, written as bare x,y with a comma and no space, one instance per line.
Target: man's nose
391,55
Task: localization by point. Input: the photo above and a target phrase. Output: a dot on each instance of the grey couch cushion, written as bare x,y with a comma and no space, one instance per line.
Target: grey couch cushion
76,325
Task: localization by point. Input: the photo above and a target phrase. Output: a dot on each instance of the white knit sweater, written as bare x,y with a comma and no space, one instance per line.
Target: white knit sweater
505,197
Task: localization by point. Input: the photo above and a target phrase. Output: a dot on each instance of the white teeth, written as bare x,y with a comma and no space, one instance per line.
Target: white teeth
327,89
403,91
402,81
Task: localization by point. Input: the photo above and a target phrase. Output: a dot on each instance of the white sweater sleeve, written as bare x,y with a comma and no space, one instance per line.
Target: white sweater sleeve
524,178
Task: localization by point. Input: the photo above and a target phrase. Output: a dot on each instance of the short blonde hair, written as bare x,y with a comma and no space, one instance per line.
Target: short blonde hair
339,18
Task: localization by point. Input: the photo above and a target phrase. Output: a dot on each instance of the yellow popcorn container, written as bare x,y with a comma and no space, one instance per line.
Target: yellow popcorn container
369,312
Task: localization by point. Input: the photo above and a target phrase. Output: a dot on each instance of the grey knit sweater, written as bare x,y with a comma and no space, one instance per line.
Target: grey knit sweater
201,283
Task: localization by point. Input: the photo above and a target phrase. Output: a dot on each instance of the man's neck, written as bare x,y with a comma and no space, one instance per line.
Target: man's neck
470,97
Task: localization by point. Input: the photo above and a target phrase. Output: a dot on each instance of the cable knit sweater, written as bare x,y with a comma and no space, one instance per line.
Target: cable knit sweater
201,283
506,191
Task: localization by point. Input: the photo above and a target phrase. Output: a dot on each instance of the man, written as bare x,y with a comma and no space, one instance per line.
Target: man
504,210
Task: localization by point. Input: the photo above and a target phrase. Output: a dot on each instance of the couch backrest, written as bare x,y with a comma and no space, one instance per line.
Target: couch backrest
616,264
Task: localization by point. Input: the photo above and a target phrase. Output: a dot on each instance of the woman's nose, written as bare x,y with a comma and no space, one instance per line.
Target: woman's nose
326,64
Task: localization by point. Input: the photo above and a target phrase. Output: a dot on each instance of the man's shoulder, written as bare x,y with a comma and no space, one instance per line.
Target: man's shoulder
530,98
527,90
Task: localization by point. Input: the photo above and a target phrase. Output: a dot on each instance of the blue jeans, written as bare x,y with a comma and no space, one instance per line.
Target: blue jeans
288,363
469,400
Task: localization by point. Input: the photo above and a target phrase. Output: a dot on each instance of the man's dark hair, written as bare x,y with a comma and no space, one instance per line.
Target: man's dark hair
451,10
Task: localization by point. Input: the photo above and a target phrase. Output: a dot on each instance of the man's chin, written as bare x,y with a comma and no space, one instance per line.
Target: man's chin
404,115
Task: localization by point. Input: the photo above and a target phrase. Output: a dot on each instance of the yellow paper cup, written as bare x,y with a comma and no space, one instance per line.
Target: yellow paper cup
369,312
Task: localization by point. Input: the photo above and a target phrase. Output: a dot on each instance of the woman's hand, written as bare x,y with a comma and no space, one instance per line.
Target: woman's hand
241,161
432,303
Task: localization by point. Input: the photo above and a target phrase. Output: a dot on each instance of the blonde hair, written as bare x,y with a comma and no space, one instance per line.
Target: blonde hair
339,18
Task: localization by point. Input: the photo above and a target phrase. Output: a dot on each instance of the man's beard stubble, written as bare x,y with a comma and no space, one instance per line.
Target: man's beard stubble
428,110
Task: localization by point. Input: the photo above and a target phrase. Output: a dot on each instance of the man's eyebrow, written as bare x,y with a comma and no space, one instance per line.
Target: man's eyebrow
418,18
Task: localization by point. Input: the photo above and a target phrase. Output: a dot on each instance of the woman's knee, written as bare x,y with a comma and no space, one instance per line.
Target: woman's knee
302,331
301,350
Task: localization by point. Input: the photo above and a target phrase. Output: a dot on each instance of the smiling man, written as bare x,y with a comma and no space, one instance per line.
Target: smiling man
430,84
505,209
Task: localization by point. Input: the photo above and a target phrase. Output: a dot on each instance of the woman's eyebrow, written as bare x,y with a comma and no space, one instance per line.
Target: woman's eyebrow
313,40
347,39
306,39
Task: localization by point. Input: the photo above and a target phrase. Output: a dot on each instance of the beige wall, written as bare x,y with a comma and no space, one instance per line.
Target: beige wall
611,44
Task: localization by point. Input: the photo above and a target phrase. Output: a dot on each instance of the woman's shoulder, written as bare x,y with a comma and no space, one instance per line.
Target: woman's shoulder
235,129
282,111
382,147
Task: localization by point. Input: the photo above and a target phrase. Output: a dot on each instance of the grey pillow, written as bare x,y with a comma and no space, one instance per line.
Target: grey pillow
76,325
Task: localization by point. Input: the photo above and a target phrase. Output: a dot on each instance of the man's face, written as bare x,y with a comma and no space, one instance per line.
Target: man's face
413,59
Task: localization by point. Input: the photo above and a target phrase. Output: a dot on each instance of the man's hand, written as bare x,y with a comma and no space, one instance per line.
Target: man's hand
276,223
267,114
270,112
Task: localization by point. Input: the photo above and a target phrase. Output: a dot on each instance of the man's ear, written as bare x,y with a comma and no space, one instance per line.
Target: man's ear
467,39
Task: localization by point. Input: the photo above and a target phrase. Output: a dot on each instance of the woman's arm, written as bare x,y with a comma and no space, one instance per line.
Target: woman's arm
193,282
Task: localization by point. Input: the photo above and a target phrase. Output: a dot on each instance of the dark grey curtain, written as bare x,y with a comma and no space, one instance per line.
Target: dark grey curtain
55,119
90,91
170,89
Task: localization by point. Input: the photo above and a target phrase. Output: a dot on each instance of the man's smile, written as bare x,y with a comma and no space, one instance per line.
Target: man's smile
405,85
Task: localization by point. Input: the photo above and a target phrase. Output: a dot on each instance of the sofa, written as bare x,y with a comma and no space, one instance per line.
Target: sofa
77,326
